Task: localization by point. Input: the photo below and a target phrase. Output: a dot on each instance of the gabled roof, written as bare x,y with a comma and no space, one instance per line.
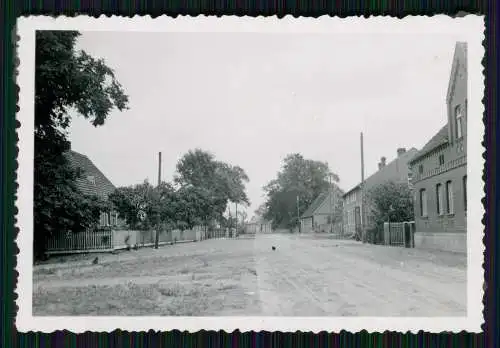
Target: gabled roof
91,181
393,171
459,56
315,205
320,199
440,138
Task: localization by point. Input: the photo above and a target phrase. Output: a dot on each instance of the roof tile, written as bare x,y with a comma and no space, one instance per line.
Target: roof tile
437,140
92,181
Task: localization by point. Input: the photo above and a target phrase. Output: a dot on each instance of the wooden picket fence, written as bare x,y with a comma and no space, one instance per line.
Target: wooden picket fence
106,239
219,233
85,241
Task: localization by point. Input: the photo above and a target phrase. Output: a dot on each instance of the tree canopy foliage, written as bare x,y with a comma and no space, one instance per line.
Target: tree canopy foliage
201,191
67,82
391,201
299,177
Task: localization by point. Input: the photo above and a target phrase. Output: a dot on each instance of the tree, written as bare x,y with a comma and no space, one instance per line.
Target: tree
161,201
66,81
213,182
261,211
299,177
193,208
390,201
231,180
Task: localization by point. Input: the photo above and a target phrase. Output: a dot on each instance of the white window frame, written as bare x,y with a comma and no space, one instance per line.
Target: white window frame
423,203
439,199
91,179
464,184
459,118
449,198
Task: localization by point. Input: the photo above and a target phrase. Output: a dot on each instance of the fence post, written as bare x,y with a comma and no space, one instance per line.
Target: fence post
387,234
412,231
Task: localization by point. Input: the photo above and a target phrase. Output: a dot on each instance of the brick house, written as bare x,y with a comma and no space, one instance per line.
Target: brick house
396,171
93,182
316,217
439,171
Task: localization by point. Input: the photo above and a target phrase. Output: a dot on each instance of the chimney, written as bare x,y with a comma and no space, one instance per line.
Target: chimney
401,151
382,161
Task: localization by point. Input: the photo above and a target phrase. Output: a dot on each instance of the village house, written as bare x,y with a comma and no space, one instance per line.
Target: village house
93,182
257,225
439,171
396,171
318,216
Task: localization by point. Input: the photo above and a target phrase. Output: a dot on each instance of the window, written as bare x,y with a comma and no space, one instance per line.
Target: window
439,199
421,169
441,159
459,121
464,183
423,202
91,179
449,197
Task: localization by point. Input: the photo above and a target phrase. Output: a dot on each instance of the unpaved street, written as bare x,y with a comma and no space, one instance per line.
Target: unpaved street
304,276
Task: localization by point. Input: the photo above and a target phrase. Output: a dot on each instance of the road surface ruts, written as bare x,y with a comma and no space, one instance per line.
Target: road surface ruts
338,281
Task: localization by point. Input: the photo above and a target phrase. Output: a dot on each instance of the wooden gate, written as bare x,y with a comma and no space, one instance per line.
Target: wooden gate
399,234
396,234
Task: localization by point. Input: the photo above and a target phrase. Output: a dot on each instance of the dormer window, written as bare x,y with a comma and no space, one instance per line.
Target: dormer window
459,119
91,179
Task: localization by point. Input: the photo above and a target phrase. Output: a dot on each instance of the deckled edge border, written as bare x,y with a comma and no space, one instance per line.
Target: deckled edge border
15,38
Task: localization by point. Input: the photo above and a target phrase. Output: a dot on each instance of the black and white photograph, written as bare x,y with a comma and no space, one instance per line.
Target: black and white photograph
238,173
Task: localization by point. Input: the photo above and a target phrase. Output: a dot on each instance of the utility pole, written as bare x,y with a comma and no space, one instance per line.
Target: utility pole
331,205
298,213
230,220
157,237
236,222
363,233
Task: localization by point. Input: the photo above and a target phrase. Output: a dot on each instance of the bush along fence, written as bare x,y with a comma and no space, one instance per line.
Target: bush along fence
107,239
399,234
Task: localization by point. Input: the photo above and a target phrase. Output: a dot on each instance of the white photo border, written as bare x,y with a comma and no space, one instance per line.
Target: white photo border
470,27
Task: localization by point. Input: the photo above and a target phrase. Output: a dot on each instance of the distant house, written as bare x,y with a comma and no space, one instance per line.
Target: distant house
317,216
257,225
396,171
439,171
93,182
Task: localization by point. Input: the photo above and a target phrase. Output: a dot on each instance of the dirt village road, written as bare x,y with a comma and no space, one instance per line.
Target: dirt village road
304,276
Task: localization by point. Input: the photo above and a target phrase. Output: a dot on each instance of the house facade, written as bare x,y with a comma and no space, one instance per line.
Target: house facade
93,182
396,171
317,216
257,225
439,171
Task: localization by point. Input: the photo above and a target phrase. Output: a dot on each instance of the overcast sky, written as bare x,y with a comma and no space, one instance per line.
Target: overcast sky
253,98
